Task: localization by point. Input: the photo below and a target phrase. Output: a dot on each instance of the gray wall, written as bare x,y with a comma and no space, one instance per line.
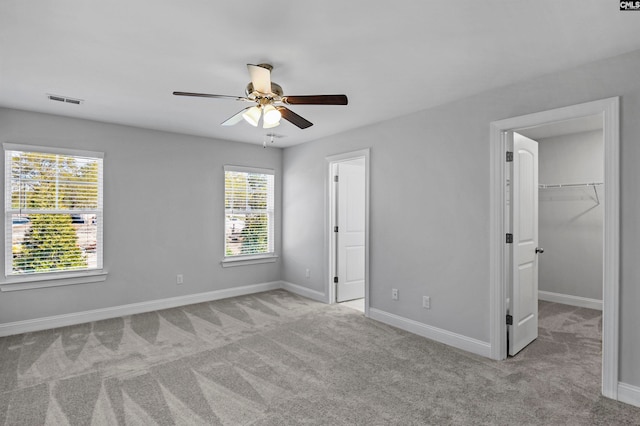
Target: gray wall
163,214
430,201
571,221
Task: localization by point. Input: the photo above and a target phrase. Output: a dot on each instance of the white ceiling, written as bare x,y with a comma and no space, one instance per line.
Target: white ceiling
125,58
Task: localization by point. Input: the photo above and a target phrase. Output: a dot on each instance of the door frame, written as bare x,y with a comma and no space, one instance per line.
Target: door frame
498,274
330,238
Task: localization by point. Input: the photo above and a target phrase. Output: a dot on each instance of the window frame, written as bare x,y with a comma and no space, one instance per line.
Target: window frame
249,259
12,282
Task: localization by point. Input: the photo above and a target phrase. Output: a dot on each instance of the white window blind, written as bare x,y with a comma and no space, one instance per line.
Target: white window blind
249,212
53,210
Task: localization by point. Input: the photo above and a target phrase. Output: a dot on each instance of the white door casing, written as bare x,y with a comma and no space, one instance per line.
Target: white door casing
350,220
523,306
498,272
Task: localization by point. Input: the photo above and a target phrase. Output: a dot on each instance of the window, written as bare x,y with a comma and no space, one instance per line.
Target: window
53,211
249,214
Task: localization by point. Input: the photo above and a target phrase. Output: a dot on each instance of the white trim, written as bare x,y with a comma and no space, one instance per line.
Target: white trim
611,273
609,108
248,260
17,282
459,341
629,394
245,169
51,150
497,251
567,299
37,324
330,242
304,291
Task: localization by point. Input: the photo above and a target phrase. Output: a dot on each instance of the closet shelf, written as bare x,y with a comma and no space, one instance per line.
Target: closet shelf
594,185
568,185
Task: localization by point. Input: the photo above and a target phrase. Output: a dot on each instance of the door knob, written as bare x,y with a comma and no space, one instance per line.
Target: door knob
539,250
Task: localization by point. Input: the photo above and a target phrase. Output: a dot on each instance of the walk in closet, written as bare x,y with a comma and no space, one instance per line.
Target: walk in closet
571,189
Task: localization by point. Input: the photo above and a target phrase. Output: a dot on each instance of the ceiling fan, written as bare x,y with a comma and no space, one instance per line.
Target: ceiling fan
270,102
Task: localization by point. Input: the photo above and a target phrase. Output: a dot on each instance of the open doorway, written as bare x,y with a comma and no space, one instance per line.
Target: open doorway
348,229
557,288
571,217
501,250
556,221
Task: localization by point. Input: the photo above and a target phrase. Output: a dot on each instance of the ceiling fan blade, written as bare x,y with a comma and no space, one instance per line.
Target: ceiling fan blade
316,100
260,77
235,119
207,95
294,118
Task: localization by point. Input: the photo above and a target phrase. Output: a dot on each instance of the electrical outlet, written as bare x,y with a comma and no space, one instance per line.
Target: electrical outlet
307,273
394,293
179,279
426,302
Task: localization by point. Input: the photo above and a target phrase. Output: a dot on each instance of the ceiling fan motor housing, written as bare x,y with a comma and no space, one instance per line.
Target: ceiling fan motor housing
276,91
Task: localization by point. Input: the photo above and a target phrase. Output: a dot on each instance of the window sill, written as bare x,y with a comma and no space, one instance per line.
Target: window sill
43,281
248,260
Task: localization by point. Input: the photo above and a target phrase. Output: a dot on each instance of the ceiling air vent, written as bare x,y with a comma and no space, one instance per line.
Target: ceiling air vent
64,99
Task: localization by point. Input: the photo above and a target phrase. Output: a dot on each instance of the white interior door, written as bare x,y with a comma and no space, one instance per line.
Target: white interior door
350,220
523,306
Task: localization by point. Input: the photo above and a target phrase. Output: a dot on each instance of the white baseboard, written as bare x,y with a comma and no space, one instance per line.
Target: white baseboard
566,299
64,320
629,394
439,335
304,292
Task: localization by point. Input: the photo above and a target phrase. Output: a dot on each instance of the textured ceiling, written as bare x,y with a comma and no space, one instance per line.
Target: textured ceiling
125,58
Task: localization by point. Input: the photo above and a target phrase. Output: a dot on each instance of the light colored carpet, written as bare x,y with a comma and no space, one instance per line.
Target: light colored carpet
279,359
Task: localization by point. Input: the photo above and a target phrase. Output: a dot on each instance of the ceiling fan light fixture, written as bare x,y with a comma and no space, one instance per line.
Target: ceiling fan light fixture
252,115
266,125
271,116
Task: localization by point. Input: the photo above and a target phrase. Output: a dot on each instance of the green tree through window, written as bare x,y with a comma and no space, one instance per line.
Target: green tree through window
44,250
54,197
